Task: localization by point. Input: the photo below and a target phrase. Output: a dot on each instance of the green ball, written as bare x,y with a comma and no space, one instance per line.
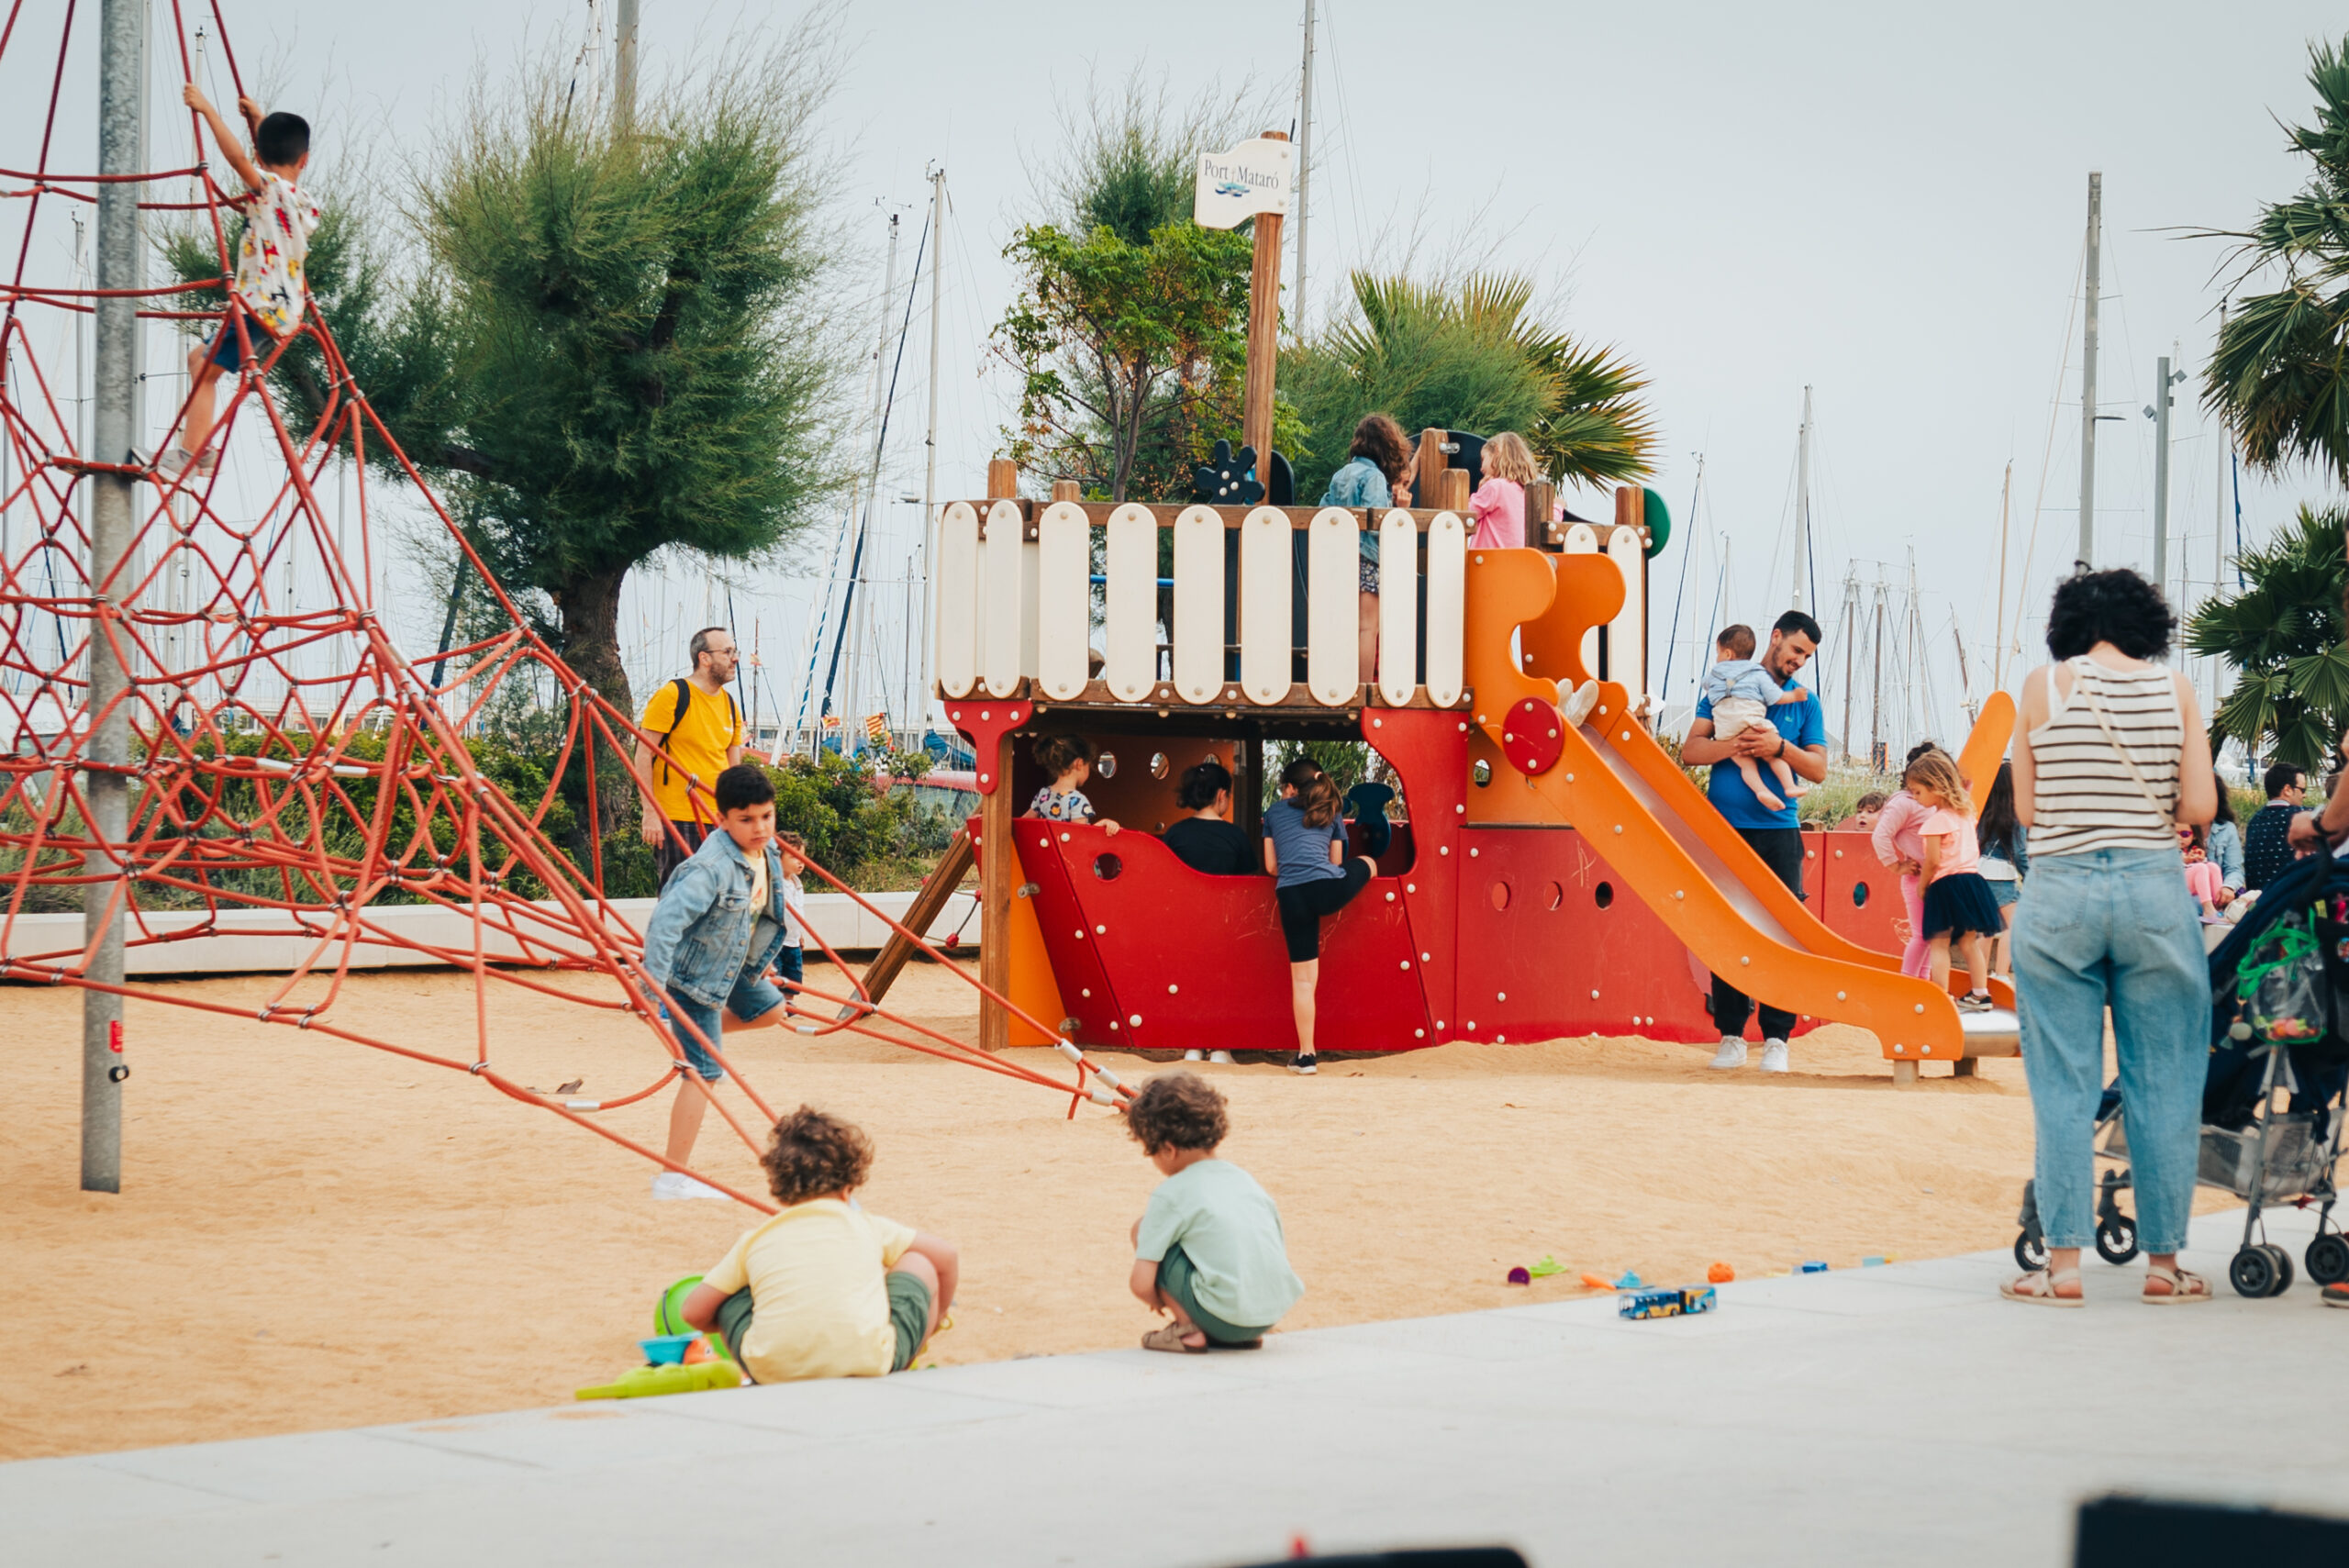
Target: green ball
669,1316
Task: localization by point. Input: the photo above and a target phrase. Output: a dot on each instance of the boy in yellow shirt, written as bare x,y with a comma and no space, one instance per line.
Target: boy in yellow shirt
824,1289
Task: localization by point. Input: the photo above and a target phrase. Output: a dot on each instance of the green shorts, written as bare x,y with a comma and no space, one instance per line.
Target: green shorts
1178,1276
909,1315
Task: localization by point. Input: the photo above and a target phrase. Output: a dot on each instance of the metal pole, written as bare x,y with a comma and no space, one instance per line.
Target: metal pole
121,265
929,444
624,67
2087,374
1304,165
1998,647
2160,412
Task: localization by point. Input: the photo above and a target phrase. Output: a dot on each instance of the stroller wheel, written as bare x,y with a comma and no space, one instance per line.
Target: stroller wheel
2116,1239
2328,1260
2252,1272
2031,1251
2283,1268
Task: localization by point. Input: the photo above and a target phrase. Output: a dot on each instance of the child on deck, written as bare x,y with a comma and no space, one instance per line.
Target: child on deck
1896,844
1069,759
1498,505
271,258
1740,691
824,1289
1209,1250
1958,905
720,925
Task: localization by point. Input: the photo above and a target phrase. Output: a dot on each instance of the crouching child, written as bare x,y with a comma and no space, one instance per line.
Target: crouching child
1208,1250
824,1289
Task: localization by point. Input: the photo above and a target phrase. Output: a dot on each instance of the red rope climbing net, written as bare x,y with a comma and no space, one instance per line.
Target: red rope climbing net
292,760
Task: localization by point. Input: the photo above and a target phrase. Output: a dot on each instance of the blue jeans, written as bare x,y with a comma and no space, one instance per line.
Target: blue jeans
753,998
2107,928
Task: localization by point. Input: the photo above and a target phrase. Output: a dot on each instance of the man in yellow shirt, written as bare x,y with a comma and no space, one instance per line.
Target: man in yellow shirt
697,721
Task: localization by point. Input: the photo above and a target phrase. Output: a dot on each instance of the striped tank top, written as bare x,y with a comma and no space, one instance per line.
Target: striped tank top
2083,796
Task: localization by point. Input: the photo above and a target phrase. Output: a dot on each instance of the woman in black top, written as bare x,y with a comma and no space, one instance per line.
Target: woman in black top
1208,841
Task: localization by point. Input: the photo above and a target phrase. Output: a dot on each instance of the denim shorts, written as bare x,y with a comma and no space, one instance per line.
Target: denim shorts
229,354
752,999
2004,894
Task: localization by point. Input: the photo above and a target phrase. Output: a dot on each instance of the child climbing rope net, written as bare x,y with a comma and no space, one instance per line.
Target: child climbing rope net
256,781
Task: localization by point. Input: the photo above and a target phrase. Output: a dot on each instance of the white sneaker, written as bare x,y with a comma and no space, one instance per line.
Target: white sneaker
1577,706
1224,1057
670,1186
1195,1055
1774,1056
1732,1054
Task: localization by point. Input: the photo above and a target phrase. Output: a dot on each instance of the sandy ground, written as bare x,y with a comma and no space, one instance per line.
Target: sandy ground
312,1234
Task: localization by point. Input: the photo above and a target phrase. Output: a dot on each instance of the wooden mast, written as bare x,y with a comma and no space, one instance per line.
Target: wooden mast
1263,336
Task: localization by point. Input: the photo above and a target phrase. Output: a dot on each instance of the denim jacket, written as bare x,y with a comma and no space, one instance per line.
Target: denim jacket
699,940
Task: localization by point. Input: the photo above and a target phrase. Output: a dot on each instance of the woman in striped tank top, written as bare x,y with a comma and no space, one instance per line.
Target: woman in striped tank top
2113,758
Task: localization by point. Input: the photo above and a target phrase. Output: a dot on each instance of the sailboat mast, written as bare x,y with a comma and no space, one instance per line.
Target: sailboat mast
1802,502
1998,648
2087,373
1304,165
918,713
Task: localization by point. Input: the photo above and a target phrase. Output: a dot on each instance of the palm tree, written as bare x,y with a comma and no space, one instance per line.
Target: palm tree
1473,356
2278,376
2283,634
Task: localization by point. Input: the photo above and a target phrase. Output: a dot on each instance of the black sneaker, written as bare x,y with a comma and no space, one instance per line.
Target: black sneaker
1975,1002
1305,1064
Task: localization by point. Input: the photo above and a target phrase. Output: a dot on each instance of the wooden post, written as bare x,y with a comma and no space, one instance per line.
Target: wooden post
1540,507
1426,464
1263,336
1067,490
1249,809
1451,491
997,856
936,890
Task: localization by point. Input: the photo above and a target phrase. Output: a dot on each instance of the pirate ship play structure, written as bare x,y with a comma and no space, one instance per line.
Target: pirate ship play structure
1548,881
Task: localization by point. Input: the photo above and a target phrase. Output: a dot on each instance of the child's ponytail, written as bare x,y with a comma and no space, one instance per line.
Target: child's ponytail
1316,796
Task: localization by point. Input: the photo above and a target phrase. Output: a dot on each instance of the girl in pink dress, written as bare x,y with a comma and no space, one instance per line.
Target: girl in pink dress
1959,911
2203,879
1498,505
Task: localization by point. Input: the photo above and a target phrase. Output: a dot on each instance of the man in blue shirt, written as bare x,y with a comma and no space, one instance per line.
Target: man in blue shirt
1795,734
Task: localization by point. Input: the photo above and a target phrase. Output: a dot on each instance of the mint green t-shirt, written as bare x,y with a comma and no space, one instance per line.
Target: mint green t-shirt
1229,1228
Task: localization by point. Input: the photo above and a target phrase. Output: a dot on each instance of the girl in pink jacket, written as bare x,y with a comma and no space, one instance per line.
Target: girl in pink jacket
1899,844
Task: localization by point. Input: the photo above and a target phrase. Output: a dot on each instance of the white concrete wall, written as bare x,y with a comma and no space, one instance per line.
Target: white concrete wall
265,940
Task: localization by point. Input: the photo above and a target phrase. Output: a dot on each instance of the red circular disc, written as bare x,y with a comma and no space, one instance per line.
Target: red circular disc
1530,737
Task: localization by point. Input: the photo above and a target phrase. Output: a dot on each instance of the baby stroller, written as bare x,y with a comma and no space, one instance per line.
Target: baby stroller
2276,1023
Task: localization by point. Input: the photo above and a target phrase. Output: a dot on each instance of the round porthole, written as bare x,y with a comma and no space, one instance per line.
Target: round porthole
1107,765
1859,895
1500,896
1482,772
1106,867
1158,764
1605,894
1553,895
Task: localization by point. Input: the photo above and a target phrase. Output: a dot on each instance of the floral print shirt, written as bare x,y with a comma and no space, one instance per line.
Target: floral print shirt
270,257
1070,807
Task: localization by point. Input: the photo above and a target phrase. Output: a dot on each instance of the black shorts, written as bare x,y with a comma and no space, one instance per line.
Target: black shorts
668,854
1304,904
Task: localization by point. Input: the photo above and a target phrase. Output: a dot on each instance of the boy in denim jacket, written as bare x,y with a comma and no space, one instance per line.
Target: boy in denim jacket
719,928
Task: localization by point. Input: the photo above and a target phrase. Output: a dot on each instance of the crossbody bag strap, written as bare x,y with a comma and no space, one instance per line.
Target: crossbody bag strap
2081,684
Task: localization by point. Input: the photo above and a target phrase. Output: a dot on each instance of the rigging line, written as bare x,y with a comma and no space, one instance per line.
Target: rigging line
1672,640
2046,459
880,443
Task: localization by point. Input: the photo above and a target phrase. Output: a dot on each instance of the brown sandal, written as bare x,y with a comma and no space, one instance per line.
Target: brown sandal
1169,1337
2037,1288
2185,1288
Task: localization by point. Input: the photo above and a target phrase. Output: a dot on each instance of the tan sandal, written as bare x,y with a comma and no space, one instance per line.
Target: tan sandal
2185,1289
2037,1288
1169,1337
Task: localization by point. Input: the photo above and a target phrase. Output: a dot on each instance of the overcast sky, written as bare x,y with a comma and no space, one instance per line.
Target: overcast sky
1885,204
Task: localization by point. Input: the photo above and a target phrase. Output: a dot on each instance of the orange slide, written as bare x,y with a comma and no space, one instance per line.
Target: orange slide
1630,797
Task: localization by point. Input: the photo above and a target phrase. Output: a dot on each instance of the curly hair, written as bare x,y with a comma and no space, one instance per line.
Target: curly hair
1382,440
1937,771
2116,606
813,1156
1056,754
1177,1110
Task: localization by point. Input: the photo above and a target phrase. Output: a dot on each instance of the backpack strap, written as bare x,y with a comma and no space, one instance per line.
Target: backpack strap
682,691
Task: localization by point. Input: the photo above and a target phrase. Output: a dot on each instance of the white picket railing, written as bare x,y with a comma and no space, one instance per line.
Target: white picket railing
1011,608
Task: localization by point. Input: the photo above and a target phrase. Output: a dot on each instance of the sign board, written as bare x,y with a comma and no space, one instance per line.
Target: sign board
1253,177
